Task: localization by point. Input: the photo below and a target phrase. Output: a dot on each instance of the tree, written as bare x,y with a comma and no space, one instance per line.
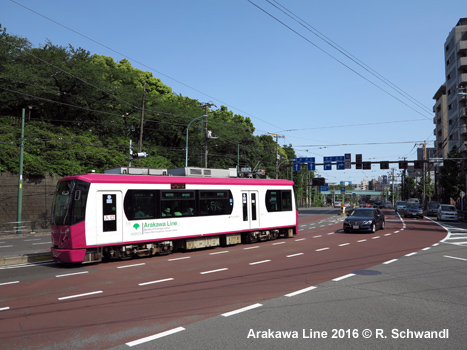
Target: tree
450,178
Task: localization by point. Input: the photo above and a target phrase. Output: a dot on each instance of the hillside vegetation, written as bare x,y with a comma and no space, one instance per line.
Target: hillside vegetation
82,110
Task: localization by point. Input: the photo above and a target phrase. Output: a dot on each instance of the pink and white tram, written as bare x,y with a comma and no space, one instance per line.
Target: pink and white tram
125,216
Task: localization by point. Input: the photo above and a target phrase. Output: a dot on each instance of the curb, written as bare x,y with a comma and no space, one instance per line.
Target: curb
23,259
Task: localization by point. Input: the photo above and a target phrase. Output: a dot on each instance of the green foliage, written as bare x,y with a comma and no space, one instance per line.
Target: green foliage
450,176
86,108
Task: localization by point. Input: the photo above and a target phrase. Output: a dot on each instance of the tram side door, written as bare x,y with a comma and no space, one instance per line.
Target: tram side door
109,217
250,210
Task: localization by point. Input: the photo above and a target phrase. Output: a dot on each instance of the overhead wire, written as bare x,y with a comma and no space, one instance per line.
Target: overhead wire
303,23
348,55
140,63
336,59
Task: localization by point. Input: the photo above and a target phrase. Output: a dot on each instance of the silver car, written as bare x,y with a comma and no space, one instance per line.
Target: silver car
447,212
400,206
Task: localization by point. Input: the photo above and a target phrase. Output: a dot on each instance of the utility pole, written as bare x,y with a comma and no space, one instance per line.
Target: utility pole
20,181
277,150
206,107
140,144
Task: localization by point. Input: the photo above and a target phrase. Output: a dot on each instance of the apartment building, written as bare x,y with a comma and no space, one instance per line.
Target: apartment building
451,98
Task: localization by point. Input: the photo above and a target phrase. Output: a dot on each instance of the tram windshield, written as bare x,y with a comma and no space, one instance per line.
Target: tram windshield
69,205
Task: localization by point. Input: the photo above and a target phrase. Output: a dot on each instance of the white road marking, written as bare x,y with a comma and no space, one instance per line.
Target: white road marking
300,291
222,252
227,314
453,257
124,267
259,262
186,257
291,256
390,261
80,295
251,247
152,282
4,284
212,271
410,254
343,277
155,336
319,250
72,274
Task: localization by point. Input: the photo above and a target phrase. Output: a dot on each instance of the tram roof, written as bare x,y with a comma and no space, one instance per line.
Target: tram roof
153,179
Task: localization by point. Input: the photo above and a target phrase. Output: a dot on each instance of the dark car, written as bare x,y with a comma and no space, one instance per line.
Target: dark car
378,203
364,219
413,210
432,208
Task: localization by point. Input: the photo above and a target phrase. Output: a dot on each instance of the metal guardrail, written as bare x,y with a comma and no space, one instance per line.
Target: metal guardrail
18,227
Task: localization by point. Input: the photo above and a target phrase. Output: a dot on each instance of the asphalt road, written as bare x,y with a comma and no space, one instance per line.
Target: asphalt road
342,287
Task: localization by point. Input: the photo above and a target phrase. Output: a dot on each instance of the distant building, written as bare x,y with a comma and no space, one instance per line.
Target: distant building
451,98
441,121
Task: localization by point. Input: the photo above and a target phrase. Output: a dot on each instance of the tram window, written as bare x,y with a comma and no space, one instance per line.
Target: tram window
278,200
109,209
177,203
215,202
140,204
245,206
286,200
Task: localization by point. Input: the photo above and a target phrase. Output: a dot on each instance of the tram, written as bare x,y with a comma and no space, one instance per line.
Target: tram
114,216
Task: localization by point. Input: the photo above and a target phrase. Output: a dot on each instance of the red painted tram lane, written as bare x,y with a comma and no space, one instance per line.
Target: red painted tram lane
196,286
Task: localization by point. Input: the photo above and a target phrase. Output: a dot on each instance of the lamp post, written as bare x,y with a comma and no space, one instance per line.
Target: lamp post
186,147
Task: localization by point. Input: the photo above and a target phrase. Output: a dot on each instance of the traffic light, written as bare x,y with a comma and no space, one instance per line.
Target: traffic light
384,165
358,161
318,181
366,165
403,164
418,164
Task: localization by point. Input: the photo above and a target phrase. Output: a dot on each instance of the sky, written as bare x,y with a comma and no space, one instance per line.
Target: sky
329,77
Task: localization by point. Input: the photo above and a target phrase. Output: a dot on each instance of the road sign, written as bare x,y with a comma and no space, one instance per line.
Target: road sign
342,189
324,188
327,165
304,160
340,165
296,166
333,159
311,166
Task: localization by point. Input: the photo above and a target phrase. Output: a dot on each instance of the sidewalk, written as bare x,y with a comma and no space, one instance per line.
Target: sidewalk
21,254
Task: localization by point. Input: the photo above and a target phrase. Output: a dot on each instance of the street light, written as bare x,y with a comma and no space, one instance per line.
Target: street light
186,147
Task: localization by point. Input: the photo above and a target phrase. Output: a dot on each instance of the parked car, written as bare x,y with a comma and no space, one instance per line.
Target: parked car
447,212
388,204
413,210
364,219
400,206
432,208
